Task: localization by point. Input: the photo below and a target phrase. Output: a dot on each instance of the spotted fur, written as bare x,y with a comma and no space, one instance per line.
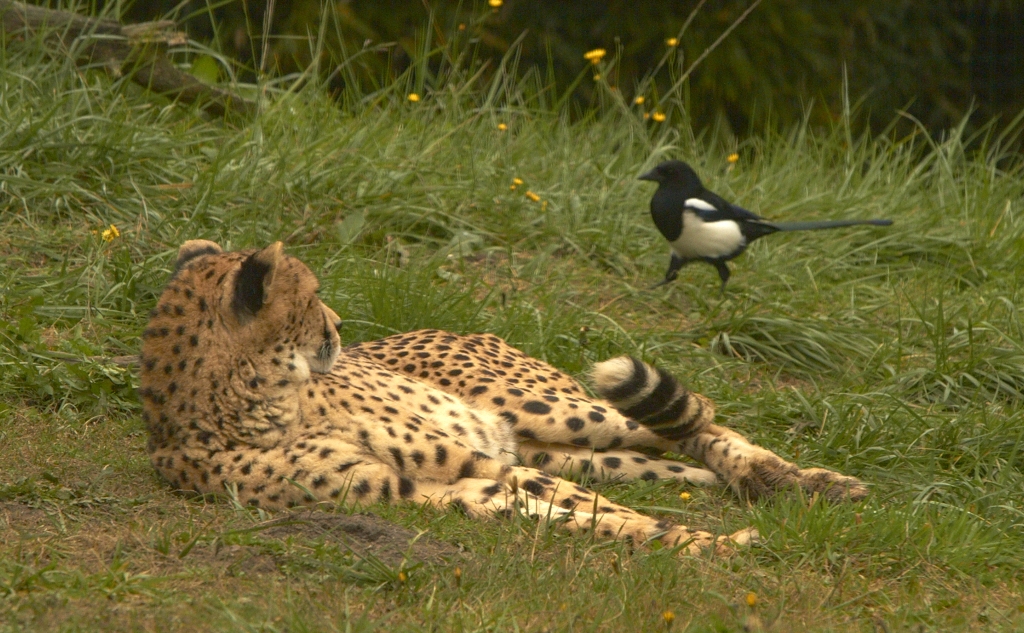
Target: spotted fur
247,391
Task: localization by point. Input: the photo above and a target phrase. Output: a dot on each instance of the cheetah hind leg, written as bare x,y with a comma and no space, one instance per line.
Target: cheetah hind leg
755,472
610,465
655,399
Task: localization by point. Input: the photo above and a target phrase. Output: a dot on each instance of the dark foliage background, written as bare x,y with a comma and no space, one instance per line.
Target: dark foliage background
936,60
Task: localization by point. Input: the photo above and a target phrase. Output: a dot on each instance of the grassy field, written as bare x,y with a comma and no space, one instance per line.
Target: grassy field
896,355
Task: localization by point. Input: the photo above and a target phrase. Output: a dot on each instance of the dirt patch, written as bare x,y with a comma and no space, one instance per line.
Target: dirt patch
16,518
152,543
364,534
235,560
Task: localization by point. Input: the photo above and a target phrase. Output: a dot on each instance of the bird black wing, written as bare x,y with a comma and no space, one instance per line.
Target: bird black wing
711,207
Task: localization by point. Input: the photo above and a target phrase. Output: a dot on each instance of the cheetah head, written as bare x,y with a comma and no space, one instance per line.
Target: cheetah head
267,301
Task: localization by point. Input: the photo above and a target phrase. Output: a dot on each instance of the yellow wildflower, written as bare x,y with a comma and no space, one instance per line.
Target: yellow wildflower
658,116
532,196
402,577
595,55
511,187
517,181
669,617
685,496
597,77
672,41
458,576
413,97
544,207
733,157
111,234
495,3
502,127
462,27
639,100
647,115
751,599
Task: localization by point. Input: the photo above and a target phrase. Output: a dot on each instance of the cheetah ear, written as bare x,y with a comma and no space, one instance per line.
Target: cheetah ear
194,248
252,285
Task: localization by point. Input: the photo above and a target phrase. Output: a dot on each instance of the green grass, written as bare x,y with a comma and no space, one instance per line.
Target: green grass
896,355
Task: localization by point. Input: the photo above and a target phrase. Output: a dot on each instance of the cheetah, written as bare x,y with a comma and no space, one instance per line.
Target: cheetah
248,391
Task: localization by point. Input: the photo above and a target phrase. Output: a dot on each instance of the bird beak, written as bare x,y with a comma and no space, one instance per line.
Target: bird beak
653,177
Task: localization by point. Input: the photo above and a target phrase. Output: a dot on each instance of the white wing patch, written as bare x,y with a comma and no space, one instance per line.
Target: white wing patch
697,203
707,239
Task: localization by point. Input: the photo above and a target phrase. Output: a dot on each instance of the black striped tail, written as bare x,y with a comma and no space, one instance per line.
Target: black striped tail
652,397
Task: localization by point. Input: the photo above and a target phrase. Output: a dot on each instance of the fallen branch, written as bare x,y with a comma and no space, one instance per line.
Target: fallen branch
133,50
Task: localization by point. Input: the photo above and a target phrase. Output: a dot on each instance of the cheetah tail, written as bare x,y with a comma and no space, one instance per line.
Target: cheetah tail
652,397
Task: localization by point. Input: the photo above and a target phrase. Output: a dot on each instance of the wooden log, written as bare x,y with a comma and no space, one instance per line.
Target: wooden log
133,50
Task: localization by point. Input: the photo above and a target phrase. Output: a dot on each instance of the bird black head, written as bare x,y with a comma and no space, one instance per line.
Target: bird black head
675,173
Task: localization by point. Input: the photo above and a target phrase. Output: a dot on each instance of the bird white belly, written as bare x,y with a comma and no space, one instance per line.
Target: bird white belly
707,239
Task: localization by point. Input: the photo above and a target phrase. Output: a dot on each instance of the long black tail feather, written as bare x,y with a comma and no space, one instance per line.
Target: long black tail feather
825,224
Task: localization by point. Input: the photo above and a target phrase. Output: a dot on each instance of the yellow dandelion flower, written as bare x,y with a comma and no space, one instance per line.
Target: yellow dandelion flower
672,41
495,3
595,55
685,496
751,599
517,181
402,577
511,187
502,127
639,100
111,234
597,77
733,157
669,617
413,97
658,116
532,196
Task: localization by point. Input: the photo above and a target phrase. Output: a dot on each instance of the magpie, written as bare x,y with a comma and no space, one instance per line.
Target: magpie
702,226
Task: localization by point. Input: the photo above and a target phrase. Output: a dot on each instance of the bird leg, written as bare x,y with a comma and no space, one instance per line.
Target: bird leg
674,265
723,272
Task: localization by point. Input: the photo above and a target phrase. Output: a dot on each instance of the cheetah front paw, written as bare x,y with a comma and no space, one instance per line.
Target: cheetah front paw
729,545
698,542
